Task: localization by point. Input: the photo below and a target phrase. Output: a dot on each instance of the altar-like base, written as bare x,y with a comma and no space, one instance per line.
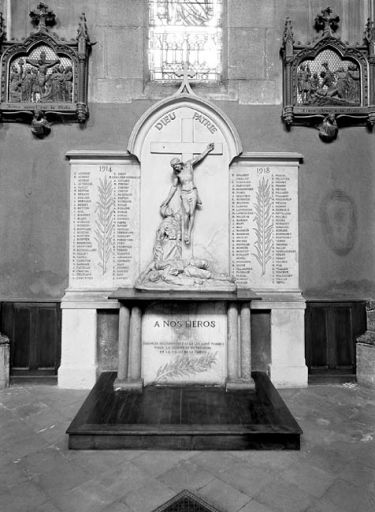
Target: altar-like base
184,418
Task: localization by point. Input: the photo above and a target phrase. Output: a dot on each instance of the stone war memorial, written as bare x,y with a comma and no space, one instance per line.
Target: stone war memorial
186,235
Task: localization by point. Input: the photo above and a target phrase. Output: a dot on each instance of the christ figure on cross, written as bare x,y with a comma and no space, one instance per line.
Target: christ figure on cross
184,177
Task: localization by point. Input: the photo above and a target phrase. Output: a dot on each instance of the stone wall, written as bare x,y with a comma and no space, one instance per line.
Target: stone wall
336,253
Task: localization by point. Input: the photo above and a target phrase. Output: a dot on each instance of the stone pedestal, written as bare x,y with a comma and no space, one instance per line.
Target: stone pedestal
78,369
288,366
207,341
4,361
365,350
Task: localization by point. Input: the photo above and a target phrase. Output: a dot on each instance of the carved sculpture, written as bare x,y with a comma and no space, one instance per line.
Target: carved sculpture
328,82
44,78
184,177
168,270
328,129
39,125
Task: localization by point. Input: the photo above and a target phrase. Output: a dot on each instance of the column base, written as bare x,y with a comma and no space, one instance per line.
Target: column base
128,385
233,385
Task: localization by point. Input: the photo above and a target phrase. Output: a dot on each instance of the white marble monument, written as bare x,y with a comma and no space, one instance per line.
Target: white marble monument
127,208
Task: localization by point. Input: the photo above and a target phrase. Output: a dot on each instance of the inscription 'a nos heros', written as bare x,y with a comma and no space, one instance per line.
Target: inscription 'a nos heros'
186,323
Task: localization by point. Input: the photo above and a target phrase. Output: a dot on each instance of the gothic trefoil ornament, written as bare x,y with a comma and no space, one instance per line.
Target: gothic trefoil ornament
44,78
328,83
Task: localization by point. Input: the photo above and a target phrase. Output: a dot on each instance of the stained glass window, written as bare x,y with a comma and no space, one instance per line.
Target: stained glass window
185,31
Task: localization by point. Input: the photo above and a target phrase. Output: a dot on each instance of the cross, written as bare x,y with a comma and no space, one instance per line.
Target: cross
187,147
185,75
324,21
43,17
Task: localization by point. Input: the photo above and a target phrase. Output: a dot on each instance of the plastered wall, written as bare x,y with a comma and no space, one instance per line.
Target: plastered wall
336,189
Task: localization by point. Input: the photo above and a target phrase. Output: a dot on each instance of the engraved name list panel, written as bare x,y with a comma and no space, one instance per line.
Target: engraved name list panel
264,226
104,225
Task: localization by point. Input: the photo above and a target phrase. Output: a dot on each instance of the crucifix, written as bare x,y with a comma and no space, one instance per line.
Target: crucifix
42,18
324,21
185,75
190,152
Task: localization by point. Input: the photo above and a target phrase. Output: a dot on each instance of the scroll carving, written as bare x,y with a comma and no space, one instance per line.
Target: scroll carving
328,83
43,78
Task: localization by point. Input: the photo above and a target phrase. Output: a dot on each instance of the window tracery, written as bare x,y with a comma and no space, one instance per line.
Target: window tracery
185,31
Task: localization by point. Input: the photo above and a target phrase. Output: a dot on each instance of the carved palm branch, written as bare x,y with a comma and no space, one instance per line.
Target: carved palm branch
264,226
184,366
104,222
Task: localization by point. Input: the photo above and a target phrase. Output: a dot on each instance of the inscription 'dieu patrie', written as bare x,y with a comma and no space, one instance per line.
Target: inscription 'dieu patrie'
197,116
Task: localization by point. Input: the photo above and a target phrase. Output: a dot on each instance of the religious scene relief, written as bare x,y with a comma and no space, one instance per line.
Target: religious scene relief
328,80
44,78
328,83
37,78
168,268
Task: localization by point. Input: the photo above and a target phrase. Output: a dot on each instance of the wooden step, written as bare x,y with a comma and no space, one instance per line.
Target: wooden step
184,418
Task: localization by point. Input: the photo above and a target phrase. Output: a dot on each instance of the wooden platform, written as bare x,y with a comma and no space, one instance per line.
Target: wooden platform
184,418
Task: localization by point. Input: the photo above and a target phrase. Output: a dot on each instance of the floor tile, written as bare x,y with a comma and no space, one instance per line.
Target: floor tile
85,498
186,476
148,497
24,497
283,496
156,463
246,478
123,480
350,497
310,479
215,462
223,496
117,506
334,470
255,506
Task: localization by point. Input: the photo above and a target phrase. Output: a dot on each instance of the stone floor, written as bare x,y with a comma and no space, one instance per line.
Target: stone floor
333,472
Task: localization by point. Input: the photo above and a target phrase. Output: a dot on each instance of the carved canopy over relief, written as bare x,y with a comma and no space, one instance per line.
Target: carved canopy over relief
328,83
44,78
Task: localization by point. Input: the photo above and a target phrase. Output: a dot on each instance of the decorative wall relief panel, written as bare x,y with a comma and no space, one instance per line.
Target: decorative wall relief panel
328,83
43,78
